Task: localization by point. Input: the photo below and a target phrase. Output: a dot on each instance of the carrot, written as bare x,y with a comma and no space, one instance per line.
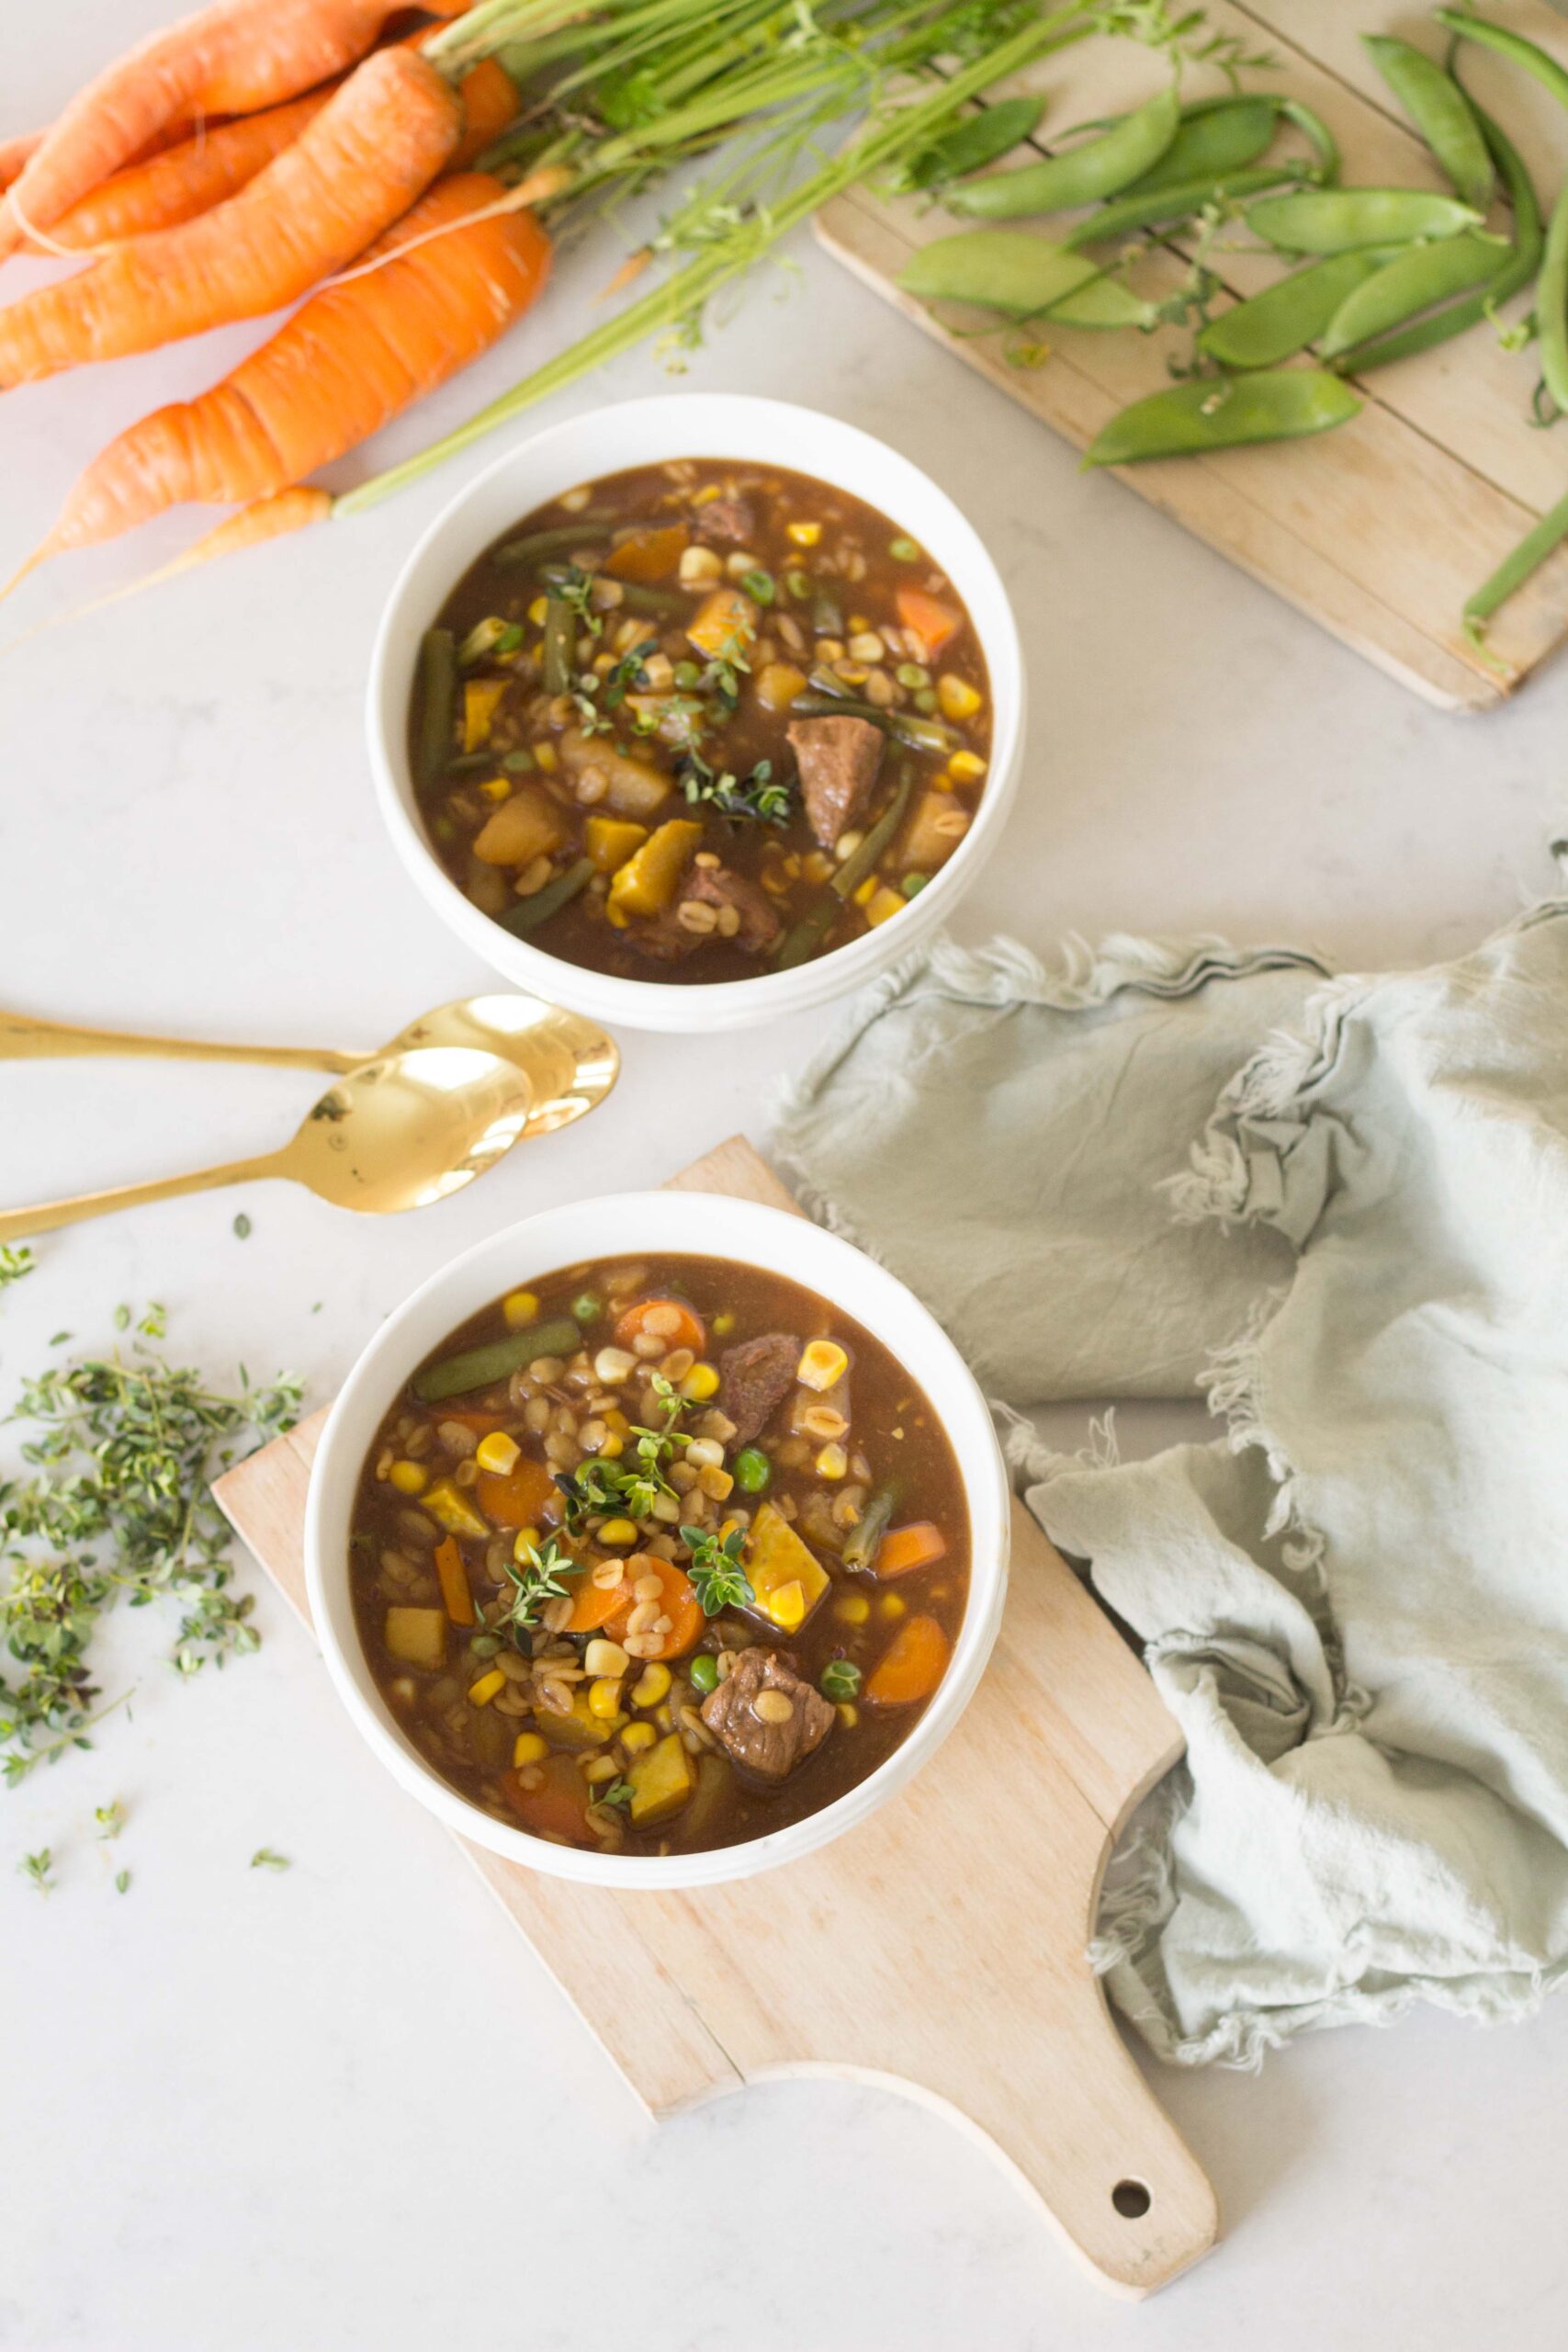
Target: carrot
184,180
678,1602
520,1499
351,358
912,1664
649,555
556,1808
454,1577
490,101
592,1605
14,153
915,1546
234,58
932,623
687,1332
375,145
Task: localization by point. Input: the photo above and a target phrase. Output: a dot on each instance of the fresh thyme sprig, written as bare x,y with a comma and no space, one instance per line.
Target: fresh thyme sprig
534,1578
598,1488
14,1263
755,796
717,1577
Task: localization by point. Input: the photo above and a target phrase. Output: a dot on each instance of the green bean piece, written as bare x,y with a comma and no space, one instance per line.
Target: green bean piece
997,269
561,644
1411,283
1516,567
438,701
586,531
1172,204
831,701
1338,219
1214,137
1438,326
1286,317
470,762
865,1536
1224,412
980,139
529,914
827,616
1101,167
498,1360
652,603
808,934
1441,113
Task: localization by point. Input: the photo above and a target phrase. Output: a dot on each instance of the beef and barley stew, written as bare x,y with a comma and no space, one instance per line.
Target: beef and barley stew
651,1558
699,721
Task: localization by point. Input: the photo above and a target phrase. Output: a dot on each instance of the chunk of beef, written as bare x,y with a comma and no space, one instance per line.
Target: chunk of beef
838,758
765,1716
726,522
662,937
754,1379
717,887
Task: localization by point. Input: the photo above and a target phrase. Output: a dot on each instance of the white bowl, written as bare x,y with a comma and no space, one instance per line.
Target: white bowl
625,1224
603,441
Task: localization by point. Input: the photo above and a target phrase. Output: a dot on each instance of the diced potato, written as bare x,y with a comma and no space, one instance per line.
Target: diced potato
635,788
786,1577
451,1509
934,831
661,1781
610,841
647,882
582,1728
528,826
725,625
650,554
481,699
418,1636
778,684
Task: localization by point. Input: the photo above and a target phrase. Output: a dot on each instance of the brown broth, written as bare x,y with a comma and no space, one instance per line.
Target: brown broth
650,721
892,1436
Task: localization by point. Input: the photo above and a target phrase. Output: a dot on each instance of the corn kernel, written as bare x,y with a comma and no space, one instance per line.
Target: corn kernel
700,1383
885,905
822,1364
527,1748
498,1452
966,767
832,1462
723,1325
537,610
604,1698
409,1478
890,1605
852,1609
614,1446
481,1692
545,757
497,788
652,1685
867,891
848,1714
817,867
605,1657
665,1720
618,1531
804,534
526,1539
520,1308
787,1605
599,1769
957,698
636,1736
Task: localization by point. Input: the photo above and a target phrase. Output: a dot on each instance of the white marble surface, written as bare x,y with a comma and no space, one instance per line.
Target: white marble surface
342,2106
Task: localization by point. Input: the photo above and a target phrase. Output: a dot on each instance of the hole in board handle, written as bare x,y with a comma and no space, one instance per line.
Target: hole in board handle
1131,2199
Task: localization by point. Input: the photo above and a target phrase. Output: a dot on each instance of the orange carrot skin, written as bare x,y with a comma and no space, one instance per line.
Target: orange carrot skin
914,1664
491,102
234,58
350,359
17,153
181,181
376,144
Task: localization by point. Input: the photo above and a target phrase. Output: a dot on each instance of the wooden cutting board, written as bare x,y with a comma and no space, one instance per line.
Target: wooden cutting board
937,1950
1381,529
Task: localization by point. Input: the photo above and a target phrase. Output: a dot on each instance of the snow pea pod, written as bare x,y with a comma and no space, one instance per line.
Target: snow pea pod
980,139
1213,137
1414,281
1521,563
1338,219
1286,317
1131,211
1224,412
1104,302
1081,174
1441,113
999,269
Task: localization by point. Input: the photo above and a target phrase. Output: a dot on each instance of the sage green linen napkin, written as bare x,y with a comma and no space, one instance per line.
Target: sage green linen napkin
1339,1207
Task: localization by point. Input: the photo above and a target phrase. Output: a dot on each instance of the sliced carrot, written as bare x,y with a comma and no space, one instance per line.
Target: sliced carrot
649,555
678,1602
592,1605
520,1499
690,1331
915,1546
453,1577
934,624
557,1807
912,1665
471,1418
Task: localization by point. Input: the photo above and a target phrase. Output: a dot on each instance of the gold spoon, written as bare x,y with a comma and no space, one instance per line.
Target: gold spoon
397,1133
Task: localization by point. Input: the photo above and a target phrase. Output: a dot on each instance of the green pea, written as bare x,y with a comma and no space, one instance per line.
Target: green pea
484,1645
925,700
1412,282
1215,136
998,269
702,1673
586,1307
687,675
1441,113
1080,175
1224,412
910,674
753,1470
903,550
913,884
1337,219
759,586
841,1680
1286,317
517,763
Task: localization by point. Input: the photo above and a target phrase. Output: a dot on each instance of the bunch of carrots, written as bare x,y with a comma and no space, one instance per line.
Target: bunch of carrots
391,183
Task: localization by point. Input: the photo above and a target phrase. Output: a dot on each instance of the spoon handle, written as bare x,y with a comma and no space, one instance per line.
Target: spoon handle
23,1038
16,1225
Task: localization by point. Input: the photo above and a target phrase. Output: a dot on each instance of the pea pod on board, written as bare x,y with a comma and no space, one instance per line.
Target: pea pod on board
1081,174
1103,302
1214,136
1414,281
1224,412
1519,564
1287,316
980,139
1166,205
1338,219
999,269
1440,112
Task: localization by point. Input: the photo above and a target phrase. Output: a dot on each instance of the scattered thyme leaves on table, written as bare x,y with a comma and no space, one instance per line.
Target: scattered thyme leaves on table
266,1859
114,1504
14,1264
